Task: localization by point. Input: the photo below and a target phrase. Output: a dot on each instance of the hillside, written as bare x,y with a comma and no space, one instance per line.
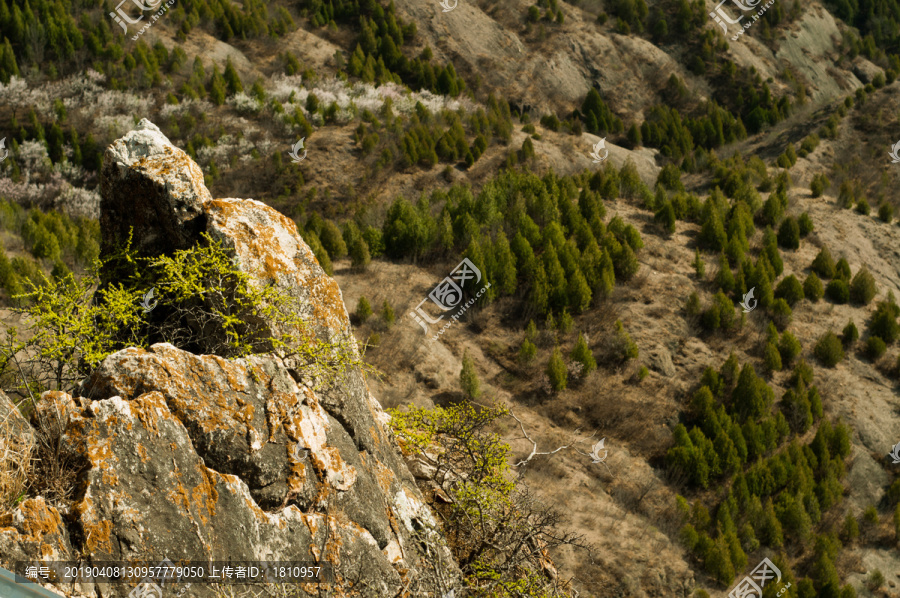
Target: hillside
431,136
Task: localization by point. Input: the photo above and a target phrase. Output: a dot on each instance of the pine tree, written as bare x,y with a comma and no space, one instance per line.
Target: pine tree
579,292
556,370
712,232
216,87
665,216
582,354
359,253
751,396
505,265
468,378
363,309
387,313
823,265
724,277
699,266
232,79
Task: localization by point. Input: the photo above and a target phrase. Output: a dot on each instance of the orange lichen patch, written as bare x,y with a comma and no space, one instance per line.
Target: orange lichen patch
99,452
385,476
142,453
180,496
205,494
149,408
36,519
98,537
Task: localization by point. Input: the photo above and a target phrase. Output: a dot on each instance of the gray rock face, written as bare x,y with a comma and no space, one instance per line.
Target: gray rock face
149,185
204,458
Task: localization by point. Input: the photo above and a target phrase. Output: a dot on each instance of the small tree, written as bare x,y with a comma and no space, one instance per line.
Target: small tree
772,359
468,378
789,233
363,309
875,348
790,290
556,370
823,265
699,266
862,287
828,350
582,354
789,348
838,291
850,334
781,314
812,287
527,352
387,313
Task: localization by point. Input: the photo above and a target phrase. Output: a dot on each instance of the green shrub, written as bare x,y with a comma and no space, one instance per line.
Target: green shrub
771,359
806,224
203,303
862,207
828,350
387,313
665,217
823,265
490,504
363,309
643,373
625,347
818,185
875,347
842,270
699,266
468,378
790,290
812,287
838,291
850,334
789,348
556,370
527,352
886,212
781,314
863,288
789,233
884,323
581,353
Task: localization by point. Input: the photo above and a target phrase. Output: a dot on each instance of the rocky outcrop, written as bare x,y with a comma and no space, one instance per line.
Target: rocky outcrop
199,457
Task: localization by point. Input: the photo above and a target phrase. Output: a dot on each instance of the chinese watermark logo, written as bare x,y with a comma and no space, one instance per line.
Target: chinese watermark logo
295,157
3,151
721,17
121,18
148,307
600,145
447,295
746,302
895,453
752,585
595,452
445,4
894,153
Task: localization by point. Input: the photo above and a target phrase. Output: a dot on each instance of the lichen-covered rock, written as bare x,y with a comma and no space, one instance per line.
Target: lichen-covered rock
199,457
149,185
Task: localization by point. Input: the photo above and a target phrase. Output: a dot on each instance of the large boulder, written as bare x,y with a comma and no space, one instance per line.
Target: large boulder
204,458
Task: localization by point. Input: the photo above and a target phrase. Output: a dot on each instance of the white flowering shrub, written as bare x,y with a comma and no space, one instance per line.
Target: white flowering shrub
244,104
